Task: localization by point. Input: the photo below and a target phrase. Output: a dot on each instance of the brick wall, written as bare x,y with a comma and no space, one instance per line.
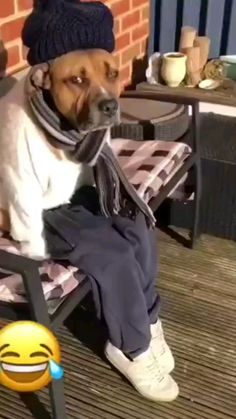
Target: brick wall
131,29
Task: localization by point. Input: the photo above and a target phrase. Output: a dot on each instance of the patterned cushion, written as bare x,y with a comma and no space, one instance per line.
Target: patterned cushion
149,165
57,280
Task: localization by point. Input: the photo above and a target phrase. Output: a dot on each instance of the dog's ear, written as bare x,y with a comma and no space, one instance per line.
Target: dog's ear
40,77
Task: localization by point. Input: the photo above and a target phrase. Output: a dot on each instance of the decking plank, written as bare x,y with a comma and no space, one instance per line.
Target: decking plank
198,290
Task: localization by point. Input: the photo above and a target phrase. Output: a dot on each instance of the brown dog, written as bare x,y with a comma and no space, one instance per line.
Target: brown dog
84,86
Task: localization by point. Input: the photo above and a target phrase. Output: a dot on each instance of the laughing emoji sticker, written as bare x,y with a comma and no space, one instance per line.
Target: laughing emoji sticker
29,356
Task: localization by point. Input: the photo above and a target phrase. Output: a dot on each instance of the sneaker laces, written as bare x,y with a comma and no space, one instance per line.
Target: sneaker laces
151,368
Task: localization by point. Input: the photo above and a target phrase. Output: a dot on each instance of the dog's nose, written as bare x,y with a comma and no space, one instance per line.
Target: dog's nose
108,107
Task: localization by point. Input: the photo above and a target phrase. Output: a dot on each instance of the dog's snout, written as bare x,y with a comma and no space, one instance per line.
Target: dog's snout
108,107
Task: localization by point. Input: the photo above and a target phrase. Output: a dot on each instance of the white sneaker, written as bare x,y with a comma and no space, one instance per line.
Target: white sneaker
160,348
145,374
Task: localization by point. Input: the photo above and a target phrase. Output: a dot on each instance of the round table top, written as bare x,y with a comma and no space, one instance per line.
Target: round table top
135,110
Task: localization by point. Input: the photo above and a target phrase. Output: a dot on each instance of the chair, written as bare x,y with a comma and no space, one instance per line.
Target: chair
159,171
192,161
29,271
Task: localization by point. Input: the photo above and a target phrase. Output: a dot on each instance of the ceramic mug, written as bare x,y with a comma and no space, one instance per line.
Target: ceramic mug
173,69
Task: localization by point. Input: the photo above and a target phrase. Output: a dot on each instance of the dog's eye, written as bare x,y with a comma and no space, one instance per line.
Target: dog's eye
76,80
113,74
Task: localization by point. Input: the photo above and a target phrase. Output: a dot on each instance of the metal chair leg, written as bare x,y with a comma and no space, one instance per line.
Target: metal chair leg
195,233
57,397
39,313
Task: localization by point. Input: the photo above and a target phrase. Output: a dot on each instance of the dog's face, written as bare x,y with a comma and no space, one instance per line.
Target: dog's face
84,86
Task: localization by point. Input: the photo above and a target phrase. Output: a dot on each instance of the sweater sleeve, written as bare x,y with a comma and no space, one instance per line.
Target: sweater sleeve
23,186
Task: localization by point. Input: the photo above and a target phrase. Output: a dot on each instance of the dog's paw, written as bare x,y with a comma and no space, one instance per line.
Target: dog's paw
34,250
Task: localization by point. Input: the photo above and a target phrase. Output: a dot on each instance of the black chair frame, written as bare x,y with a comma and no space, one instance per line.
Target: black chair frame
193,162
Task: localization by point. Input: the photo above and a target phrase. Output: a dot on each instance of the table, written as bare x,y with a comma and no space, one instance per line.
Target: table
218,157
146,119
221,96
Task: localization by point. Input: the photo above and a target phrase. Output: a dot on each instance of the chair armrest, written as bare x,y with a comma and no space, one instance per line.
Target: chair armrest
160,96
17,263
29,270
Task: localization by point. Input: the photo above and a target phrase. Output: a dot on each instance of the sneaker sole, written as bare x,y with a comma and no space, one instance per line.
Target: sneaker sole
154,399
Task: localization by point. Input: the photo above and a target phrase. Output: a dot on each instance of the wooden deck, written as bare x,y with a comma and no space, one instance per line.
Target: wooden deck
198,289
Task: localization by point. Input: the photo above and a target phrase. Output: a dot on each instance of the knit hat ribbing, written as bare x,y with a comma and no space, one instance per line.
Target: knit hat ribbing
56,27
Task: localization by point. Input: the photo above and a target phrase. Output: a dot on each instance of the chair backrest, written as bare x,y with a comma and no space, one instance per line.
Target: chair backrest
7,83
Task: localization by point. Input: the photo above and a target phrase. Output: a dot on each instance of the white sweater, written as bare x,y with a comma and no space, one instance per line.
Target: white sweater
32,176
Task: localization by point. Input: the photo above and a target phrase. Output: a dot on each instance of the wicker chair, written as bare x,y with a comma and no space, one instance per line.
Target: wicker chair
38,307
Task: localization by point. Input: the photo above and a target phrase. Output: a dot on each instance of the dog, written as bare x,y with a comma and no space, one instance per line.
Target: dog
84,86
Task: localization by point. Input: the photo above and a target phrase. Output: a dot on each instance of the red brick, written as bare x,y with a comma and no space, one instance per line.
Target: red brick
12,30
130,43
122,41
144,46
138,3
13,56
116,26
130,53
24,4
117,59
140,31
6,8
125,73
130,20
145,13
120,7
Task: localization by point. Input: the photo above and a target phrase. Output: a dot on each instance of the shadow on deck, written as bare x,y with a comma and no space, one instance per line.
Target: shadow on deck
198,289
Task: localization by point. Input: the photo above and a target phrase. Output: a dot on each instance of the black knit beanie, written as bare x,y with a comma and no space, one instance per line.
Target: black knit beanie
56,27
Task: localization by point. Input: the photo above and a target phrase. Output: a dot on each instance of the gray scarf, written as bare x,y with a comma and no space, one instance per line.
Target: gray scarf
116,194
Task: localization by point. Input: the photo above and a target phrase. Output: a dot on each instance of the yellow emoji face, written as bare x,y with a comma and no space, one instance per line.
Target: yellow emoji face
29,356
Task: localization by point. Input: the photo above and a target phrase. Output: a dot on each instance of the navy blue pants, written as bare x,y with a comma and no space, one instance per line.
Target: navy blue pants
119,256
